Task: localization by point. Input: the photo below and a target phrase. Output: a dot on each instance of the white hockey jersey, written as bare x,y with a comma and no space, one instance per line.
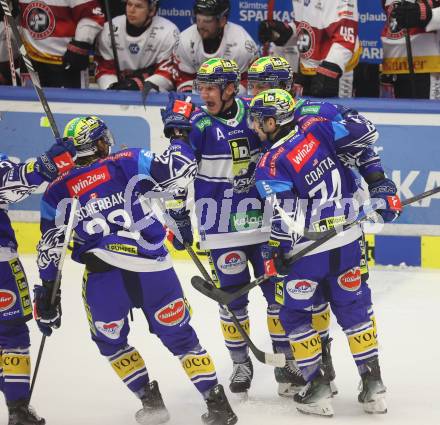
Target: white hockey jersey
425,43
325,30
151,52
49,25
236,44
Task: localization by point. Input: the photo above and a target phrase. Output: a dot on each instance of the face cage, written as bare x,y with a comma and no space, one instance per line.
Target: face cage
257,118
220,82
270,84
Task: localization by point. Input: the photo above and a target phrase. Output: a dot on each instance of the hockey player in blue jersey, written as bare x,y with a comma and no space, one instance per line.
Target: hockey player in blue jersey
302,169
229,209
120,241
355,152
17,182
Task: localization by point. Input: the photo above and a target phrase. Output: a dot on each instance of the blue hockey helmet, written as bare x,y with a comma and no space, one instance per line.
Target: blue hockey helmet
273,103
85,133
269,72
220,72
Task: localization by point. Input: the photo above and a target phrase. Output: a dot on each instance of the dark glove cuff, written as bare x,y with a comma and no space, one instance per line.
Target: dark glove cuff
79,47
374,177
48,284
329,69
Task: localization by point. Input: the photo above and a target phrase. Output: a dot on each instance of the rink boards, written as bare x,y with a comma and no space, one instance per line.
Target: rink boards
409,145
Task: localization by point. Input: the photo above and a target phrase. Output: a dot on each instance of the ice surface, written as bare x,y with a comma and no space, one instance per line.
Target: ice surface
76,386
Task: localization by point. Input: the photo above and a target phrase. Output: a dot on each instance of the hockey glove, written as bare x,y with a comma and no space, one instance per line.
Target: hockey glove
176,115
274,31
275,263
181,232
386,189
48,316
58,159
76,57
326,81
133,83
411,15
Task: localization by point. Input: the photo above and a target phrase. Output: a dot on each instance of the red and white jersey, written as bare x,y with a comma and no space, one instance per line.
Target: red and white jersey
326,30
151,52
49,25
236,44
425,43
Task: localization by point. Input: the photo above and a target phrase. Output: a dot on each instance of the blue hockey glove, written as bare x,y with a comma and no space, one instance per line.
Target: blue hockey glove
48,317
176,115
386,189
182,226
58,159
275,263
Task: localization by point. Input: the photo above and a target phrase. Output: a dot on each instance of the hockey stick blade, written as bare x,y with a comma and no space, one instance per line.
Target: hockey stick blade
223,297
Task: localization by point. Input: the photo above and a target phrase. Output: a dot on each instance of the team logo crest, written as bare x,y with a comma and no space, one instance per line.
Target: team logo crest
306,40
111,330
134,48
49,248
39,20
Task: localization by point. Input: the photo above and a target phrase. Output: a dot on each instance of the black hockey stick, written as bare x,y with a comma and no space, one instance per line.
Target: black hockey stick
272,359
33,74
57,283
223,297
113,40
409,55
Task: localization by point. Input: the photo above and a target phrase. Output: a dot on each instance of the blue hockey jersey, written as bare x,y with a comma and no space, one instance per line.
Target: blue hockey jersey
355,149
228,206
309,185
17,182
115,220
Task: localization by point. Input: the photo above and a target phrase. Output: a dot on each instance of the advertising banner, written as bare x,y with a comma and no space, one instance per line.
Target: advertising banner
409,142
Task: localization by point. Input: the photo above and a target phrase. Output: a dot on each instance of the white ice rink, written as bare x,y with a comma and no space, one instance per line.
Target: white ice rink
76,386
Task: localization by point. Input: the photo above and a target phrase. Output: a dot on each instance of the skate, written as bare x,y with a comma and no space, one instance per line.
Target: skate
327,364
289,378
241,378
219,409
153,411
315,397
20,413
372,395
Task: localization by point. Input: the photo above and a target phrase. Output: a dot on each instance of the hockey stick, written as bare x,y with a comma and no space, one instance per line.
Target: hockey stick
57,283
10,52
409,56
272,359
223,297
270,7
33,74
113,40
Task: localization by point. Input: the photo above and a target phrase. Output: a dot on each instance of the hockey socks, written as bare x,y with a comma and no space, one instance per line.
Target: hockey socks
363,343
321,319
199,367
130,367
16,373
234,341
307,350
